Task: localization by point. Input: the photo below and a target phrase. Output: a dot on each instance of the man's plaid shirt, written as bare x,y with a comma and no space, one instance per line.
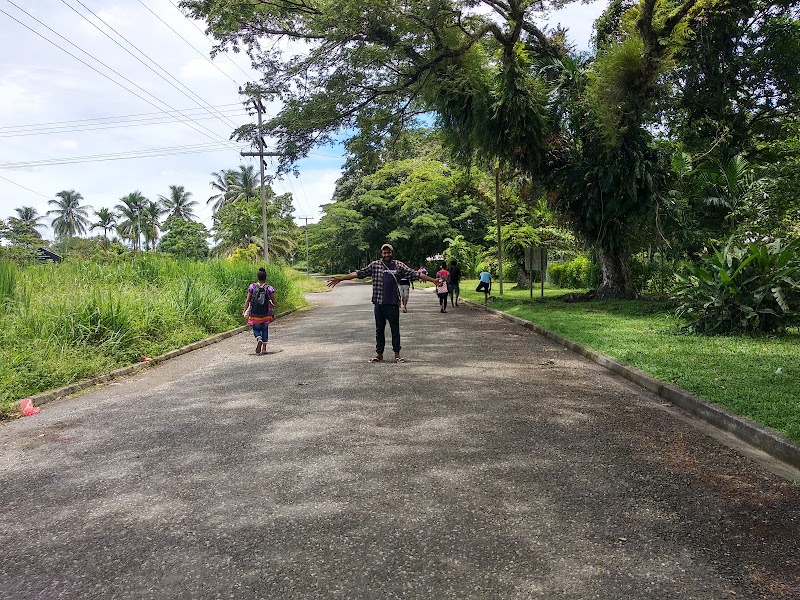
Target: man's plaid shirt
376,269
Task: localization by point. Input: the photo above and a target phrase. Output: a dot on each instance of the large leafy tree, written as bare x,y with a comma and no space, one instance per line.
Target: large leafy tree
184,238
737,78
178,203
371,67
609,173
337,241
21,233
71,218
733,109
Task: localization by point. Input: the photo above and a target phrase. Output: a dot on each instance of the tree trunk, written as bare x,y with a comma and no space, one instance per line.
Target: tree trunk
616,276
523,278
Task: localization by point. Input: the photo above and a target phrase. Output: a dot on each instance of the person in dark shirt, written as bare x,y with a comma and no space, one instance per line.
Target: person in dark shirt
455,278
406,285
385,274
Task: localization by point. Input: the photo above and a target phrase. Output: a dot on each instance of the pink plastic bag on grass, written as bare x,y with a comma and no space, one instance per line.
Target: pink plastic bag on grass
27,408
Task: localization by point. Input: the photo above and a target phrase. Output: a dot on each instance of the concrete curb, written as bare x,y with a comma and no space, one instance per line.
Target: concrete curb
79,386
755,434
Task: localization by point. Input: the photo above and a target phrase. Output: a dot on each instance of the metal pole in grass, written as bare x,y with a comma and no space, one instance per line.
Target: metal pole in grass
306,220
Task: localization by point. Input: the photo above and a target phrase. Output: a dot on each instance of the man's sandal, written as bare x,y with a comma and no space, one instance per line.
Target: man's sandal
375,359
399,359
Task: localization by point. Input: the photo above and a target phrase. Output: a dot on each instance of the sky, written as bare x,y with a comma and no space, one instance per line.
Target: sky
108,97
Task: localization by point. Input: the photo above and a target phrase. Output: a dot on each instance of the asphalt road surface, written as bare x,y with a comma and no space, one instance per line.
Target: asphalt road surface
493,464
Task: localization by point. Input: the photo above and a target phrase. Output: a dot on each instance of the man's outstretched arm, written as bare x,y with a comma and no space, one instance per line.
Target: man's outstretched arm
334,280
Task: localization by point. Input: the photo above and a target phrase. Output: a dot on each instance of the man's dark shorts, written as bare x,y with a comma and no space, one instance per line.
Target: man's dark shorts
484,286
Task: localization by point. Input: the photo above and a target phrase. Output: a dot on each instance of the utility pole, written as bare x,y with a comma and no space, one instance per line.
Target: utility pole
306,220
261,154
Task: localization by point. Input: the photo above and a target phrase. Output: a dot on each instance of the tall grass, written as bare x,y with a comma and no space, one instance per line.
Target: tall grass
62,323
8,280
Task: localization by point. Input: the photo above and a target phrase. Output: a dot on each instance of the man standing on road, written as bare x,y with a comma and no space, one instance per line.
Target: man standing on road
385,274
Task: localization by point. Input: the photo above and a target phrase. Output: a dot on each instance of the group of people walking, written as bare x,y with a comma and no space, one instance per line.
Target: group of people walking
392,281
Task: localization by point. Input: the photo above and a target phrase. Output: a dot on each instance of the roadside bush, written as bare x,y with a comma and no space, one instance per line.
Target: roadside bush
555,274
580,272
654,276
749,289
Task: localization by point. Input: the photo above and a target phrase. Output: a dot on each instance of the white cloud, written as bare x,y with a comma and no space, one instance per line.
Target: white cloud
198,69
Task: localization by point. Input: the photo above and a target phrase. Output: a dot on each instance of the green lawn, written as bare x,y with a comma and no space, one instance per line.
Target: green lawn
758,378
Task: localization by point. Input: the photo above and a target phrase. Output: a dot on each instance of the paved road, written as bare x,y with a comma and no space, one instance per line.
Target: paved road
493,464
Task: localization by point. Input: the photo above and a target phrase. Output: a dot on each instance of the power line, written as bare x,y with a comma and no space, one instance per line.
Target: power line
147,153
189,43
99,126
159,113
207,37
303,188
100,72
202,101
24,188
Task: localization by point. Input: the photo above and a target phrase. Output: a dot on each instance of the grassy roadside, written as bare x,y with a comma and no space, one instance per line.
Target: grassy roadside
758,378
64,323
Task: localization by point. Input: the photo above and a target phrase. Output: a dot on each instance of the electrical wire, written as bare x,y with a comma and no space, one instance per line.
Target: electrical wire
145,153
24,188
99,126
209,38
106,66
188,43
160,113
201,100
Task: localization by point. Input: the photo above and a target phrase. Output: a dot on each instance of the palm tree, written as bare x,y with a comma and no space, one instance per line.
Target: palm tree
150,216
130,210
72,218
245,185
107,220
178,203
222,183
30,217
730,185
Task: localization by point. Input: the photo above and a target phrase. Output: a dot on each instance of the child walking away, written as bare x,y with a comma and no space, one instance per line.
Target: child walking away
259,308
443,289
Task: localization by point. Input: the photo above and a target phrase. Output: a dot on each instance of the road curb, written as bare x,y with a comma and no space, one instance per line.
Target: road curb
766,439
79,386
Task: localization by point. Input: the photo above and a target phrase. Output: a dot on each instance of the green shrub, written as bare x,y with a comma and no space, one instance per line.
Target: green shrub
555,274
750,289
654,276
578,273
